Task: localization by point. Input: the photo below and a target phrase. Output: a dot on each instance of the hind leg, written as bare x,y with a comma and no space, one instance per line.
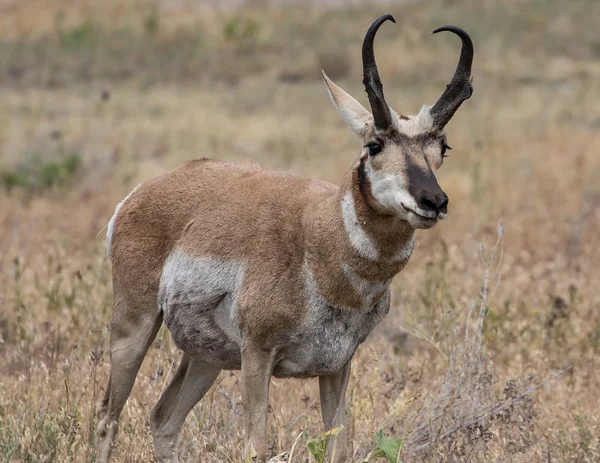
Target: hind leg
103,404
161,411
191,381
129,342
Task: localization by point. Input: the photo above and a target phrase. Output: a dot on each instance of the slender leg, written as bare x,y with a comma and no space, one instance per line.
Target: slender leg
129,343
332,389
102,407
191,381
163,408
257,366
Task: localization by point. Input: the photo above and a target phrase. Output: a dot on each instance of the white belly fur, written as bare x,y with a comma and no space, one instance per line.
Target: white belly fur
199,299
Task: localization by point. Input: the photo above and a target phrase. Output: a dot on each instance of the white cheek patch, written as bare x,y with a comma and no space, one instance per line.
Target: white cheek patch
421,123
111,224
388,189
357,236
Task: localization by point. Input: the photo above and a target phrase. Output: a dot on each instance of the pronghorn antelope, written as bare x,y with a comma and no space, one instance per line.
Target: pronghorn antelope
270,273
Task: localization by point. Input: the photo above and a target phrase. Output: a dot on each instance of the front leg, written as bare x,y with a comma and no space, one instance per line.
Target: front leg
257,367
332,390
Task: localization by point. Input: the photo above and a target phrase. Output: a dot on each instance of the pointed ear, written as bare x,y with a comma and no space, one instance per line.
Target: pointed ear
354,114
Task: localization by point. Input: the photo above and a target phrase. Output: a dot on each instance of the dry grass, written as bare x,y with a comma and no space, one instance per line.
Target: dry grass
458,369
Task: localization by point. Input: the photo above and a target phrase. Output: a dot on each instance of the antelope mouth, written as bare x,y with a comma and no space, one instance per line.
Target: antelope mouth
418,220
408,209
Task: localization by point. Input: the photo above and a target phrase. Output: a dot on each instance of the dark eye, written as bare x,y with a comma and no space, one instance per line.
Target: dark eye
445,147
374,148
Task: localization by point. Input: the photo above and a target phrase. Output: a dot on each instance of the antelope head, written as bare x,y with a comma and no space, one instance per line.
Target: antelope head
400,155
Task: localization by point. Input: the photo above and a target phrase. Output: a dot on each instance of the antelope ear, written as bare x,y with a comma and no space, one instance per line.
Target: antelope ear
354,114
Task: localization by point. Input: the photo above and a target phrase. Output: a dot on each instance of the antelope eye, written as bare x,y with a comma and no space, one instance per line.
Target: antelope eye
445,147
374,148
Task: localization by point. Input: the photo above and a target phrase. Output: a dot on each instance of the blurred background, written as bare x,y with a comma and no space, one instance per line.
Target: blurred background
491,351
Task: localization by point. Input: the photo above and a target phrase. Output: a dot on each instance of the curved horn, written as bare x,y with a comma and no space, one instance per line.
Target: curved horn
379,108
459,89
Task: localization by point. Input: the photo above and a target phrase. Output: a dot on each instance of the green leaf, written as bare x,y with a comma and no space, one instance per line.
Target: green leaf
389,447
317,445
317,448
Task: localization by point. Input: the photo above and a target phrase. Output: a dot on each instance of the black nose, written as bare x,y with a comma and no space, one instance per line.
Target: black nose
437,202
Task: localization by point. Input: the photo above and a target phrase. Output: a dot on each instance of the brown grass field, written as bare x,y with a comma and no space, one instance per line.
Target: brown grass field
491,351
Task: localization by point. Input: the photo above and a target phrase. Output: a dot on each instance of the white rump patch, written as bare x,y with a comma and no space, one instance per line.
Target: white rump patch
111,223
357,236
416,125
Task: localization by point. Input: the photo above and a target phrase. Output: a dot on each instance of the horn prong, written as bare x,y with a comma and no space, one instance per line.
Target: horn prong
371,79
460,87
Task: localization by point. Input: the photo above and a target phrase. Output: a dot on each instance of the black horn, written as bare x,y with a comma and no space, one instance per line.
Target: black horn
381,112
460,88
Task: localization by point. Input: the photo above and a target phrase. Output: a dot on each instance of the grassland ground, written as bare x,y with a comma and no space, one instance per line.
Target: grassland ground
99,96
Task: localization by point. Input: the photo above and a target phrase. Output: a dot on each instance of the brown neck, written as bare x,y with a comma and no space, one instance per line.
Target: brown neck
346,229
352,250
388,233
